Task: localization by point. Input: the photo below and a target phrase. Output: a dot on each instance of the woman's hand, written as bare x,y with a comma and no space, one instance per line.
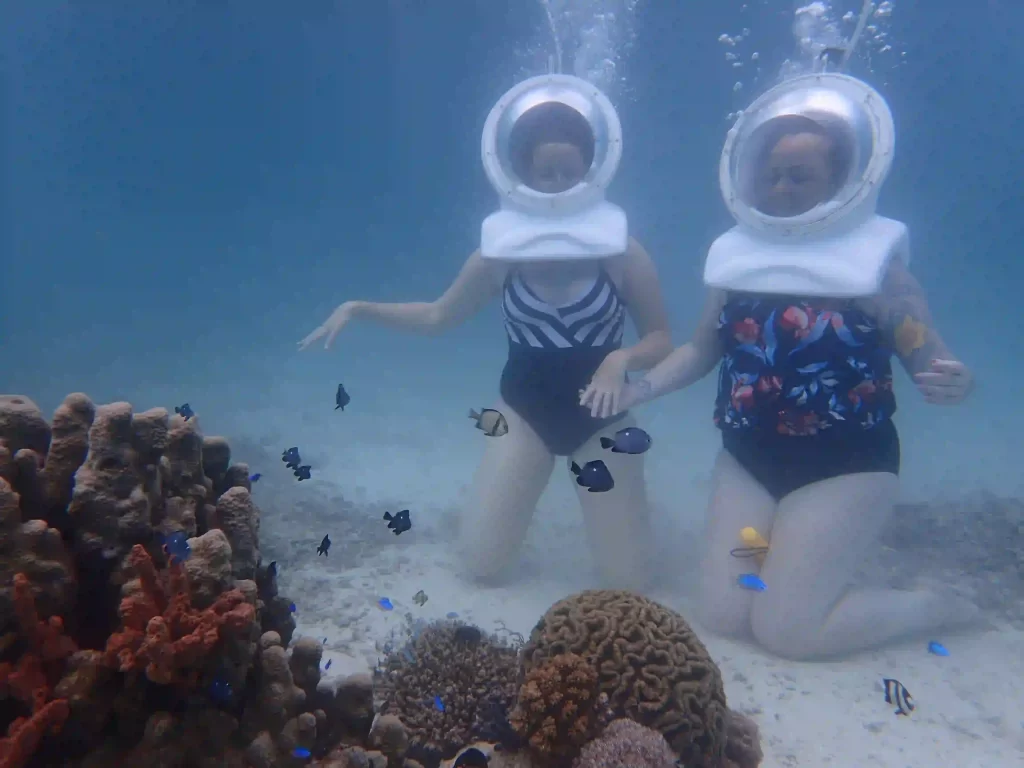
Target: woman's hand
338,319
946,382
604,393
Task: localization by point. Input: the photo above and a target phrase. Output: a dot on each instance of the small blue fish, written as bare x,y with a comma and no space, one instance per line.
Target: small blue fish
301,752
220,690
937,648
438,704
452,615
632,440
185,411
291,607
328,664
752,581
385,604
594,476
176,546
254,477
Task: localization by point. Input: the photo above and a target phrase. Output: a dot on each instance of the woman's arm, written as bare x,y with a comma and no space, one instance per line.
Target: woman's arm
472,288
688,363
642,293
902,310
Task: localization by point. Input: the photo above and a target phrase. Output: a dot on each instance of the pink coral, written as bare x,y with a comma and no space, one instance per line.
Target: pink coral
626,744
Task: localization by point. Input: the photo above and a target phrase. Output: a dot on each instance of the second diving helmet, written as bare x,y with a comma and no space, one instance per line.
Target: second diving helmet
550,147
800,172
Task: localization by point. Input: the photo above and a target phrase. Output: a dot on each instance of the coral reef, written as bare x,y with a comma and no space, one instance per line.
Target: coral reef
140,628
446,685
649,662
559,709
627,744
113,652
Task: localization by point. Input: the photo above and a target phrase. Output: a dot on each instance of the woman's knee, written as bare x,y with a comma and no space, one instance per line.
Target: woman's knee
721,613
784,632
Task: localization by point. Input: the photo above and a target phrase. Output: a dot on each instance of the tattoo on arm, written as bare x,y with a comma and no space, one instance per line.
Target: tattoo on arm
908,321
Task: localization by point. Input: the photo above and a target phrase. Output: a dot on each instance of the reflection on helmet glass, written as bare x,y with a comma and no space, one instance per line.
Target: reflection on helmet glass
792,164
551,147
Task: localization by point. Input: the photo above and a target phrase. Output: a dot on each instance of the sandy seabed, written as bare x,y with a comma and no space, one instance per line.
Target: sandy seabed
970,705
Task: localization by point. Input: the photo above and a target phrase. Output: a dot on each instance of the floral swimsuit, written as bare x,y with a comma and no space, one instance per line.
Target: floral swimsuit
805,390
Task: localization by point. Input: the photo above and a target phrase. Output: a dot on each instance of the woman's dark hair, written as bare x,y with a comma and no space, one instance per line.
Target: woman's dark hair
840,149
548,123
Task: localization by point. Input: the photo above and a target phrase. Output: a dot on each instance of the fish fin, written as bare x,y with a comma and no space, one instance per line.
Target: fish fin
607,442
473,414
574,468
337,407
388,516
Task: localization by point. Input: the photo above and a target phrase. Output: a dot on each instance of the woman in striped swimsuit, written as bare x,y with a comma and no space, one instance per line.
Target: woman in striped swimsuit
564,322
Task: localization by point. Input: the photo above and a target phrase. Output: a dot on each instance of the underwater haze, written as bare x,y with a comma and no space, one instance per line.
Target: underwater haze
191,186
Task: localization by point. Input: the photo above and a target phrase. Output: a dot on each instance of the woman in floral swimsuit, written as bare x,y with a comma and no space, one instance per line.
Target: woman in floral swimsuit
810,454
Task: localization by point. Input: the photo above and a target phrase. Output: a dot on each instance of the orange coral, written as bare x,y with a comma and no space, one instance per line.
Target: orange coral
560,708
163,634
32,679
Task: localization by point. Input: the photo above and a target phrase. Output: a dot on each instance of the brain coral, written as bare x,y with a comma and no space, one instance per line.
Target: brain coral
650,664
445,685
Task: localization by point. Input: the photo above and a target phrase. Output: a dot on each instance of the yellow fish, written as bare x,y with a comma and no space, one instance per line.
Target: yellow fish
754,545
910,336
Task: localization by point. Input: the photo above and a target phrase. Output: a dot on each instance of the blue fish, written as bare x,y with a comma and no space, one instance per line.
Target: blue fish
385,604
254,477
220,689
301,752
185,411
328,664
632,440
594,476
291,607
176,546
451,615
752,581
438,704
937,648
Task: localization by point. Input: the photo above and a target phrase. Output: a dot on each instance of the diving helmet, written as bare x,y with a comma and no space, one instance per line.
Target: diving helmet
855,119
555,210
806,222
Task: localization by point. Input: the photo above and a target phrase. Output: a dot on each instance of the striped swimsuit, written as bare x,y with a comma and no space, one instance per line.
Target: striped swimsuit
553,354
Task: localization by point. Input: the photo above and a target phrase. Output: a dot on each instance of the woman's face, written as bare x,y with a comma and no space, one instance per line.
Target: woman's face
797,175
556,167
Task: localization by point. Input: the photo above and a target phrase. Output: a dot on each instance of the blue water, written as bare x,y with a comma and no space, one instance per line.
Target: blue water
190,187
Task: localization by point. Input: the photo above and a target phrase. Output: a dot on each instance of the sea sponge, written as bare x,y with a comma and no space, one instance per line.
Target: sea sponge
649,662
560,708
445,685
627,744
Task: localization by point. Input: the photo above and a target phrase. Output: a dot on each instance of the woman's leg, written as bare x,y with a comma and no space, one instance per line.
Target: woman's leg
821,535
737,501
509,481
617,522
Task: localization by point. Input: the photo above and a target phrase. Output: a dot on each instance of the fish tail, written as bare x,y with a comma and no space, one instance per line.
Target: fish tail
574,467
337,407
473,414
607,442
388,516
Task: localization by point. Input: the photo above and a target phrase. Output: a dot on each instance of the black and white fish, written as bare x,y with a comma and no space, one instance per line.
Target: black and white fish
489,421
420,598
594,476
629,440
341,398
896,693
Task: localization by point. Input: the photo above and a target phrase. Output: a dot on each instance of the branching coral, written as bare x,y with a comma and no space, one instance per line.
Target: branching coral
32,679
163,634
445,685
626,744
560,708
650,663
